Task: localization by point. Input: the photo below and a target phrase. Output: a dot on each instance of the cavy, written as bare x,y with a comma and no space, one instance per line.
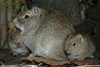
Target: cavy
44,32
15,43
79,46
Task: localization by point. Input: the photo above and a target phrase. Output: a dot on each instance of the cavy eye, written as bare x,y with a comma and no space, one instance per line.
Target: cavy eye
74,44
26,16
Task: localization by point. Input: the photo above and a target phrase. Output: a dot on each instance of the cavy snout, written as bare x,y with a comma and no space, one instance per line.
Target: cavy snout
15,23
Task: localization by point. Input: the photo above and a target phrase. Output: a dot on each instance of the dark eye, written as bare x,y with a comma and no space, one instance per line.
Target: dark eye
74,44
26,16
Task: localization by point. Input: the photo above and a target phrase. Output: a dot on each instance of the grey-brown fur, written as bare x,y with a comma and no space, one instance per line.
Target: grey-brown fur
44,32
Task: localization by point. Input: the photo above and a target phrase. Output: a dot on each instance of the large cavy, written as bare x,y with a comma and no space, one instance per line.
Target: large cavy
44,32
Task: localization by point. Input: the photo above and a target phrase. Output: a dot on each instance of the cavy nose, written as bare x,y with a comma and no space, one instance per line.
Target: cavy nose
18,44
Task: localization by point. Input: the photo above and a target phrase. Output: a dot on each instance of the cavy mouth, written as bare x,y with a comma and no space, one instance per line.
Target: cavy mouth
17,26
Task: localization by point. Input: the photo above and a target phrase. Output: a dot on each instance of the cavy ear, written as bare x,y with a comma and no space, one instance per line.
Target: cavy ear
36,11
80,37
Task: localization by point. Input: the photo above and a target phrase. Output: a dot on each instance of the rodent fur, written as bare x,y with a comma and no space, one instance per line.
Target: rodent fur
44,32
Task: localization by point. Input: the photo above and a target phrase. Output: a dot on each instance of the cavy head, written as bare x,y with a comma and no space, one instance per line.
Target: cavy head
79,46
16,37
26,19
74,43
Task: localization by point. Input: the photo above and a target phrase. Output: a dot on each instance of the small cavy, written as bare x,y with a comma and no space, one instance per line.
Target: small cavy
44,32
15,43
79,46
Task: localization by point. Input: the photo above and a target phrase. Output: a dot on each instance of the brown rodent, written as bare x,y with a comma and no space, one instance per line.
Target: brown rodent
79,46
15,43
44,32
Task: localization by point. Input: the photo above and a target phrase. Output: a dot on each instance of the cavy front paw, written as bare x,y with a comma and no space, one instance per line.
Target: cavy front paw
19,53
19,50
71,57
14,53
23,53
